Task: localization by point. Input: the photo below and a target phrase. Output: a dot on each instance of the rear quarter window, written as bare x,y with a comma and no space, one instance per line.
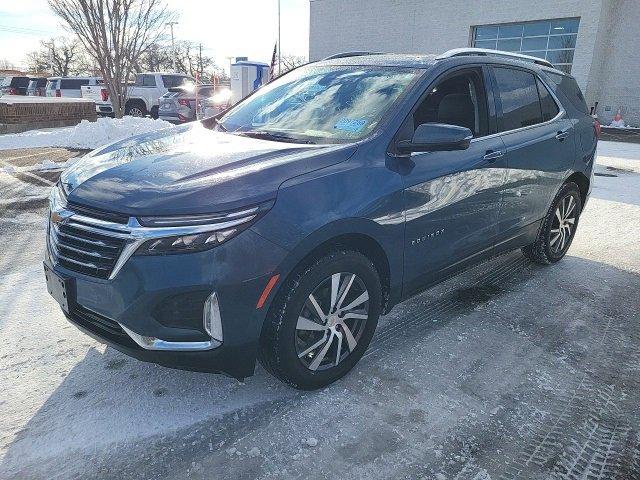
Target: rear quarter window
569,87
549,106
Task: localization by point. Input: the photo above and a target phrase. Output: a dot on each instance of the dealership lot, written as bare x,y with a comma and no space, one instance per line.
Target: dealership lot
510,370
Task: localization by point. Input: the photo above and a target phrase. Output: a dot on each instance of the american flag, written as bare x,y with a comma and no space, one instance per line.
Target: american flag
272,68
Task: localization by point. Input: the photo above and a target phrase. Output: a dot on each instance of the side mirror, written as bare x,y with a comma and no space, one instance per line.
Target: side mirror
432,137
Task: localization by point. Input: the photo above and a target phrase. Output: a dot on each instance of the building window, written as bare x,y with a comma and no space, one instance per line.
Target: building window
553,40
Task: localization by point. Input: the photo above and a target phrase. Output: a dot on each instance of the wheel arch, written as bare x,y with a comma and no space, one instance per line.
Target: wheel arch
136,101
583,183
356,234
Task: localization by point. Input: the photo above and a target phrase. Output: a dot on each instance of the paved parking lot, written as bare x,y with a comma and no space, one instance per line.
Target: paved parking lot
508,371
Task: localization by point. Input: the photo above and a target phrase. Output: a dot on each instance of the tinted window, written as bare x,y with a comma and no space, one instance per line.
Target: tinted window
20,82
519,97
53,84
570,88
73,83
549,107
171,81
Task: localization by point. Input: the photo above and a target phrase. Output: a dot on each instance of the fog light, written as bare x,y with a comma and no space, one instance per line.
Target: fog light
211,317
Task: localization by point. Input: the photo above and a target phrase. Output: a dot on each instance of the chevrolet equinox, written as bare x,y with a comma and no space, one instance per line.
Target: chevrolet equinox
281,230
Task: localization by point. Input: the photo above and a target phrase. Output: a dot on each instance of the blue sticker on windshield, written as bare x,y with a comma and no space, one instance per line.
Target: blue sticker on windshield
353,125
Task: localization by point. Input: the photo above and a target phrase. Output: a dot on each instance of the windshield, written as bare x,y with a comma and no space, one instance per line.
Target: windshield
321,103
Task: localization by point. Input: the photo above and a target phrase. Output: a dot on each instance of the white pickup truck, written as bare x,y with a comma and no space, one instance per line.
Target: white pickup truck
142,97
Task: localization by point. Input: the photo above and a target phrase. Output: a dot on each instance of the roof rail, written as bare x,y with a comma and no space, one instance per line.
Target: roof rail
350,54
459,52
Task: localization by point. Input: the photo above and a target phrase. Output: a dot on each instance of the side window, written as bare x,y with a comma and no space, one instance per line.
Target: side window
570,88
457,100
171,81
519,97
148,81
549,107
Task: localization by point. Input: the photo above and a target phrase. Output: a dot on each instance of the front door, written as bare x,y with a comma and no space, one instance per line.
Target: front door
452,199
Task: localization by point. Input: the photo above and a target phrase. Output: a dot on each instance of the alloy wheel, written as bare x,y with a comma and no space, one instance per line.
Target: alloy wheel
332,321
135,112
563,225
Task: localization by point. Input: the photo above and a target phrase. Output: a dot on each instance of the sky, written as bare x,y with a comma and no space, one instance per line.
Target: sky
225,27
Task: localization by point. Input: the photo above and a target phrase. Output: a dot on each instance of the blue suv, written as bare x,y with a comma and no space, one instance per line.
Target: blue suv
282,229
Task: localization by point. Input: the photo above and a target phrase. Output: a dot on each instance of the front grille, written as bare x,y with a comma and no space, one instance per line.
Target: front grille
84,249
98,213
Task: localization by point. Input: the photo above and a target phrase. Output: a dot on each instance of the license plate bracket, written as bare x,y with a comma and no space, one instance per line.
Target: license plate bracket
59,287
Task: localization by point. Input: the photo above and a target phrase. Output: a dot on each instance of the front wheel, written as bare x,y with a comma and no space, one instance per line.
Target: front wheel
558,227
322,321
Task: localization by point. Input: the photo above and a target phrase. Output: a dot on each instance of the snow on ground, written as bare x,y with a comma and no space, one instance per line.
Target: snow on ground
508,371
85,135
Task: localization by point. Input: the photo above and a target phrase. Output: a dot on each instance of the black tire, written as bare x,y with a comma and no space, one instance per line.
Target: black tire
135,108
280,339
155,112
545,250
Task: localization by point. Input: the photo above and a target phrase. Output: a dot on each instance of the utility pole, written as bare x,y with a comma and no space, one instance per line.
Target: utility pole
200,61
173,44
279,44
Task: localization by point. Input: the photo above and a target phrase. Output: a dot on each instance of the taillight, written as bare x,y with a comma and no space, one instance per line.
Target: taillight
182,118
13,91
58,93
104,94
597,127
184,102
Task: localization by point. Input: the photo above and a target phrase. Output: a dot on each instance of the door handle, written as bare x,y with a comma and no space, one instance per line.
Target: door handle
492,155
561,135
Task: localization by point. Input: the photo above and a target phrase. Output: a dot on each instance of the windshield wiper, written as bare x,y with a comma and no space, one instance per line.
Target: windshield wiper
276,137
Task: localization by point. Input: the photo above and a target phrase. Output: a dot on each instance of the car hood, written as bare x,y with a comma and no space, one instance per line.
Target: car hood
190,170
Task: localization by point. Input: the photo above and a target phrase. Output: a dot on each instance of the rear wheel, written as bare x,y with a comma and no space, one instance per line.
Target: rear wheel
322,321
135,109
558,227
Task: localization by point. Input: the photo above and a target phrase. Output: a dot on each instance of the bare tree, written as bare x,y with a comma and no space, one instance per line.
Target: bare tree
289,62
188,59
60,56
115,33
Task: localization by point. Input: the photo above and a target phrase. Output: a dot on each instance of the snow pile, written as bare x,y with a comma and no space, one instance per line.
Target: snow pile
85,135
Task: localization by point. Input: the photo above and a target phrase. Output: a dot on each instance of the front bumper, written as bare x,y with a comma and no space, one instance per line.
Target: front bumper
163,297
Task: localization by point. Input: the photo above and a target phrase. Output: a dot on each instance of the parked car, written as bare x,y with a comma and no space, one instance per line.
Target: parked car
178,105
143,98
69,87
14,85
282,229
37,87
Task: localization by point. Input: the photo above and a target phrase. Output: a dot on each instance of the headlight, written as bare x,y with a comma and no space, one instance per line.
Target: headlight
195,233
188,243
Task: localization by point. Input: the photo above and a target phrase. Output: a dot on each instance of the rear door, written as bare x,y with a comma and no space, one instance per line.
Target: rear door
540,149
